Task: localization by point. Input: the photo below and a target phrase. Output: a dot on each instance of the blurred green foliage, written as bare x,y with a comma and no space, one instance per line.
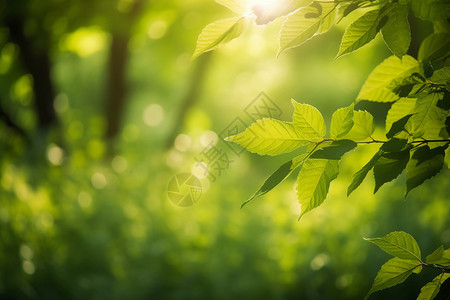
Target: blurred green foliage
80,222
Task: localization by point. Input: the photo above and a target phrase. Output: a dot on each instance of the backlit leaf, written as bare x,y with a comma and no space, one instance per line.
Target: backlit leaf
269,137
399,244
424,164
431,10
314,181
362,126
434,46
277,177
302,25
219,33
425,110
399,110
431,289
376,87
341,122
398,126
393,272
441,76
236,6
439,257
360,32
396,33
308,121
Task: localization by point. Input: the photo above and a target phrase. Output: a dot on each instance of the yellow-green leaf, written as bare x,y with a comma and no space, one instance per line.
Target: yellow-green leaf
362,126
376,87
399,244
269,137
314,181
431,289
308,121
236,6
341,122
219,33
396,33
398,110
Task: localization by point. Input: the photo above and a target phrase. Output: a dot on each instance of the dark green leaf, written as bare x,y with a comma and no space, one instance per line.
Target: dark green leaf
393,272
396,32
389,166
398,126
361,174
424,164
394,145
335,150
435,46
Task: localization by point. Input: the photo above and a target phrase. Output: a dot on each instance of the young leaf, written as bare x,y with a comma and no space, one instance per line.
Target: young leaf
360,32
219,33
434,46
439,257
399,110
335,150
302,25
399,244
431,289
396,33
424,164
376,87
398,126
361,174
314,181
269,137
393,272
341,122
277,177
233,5
308,121
389,166
362,126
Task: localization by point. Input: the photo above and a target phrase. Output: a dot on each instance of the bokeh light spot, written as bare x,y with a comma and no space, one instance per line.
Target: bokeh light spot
55,154
157,29
119,164
182,142
98,180
153,115
84,199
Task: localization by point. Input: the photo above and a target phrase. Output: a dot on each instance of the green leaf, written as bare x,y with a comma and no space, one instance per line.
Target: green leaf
361,174
435,46
233,5
376,87
270,137
341,122
396,32
335,150
398,126
362,126
393,272
219,33
399,244
431,10
360,32
439,257
447,157
441,76
394,145
277,177
314,181
424,164
399,110
431,289
284,7
302,25
308,121
389,166
425,110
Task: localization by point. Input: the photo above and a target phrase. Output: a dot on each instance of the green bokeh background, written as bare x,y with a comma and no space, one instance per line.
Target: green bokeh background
86,218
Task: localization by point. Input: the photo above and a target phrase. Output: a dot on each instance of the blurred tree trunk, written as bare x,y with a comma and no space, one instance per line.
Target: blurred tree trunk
34,53
116,92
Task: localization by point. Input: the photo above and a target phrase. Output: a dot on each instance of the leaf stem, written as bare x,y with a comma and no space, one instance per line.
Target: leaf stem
444,269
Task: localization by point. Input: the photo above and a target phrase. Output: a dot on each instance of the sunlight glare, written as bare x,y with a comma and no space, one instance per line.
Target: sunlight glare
260,7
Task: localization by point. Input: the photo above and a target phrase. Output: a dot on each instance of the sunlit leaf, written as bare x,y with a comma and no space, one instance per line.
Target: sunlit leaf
335,151
399,110
425,110
314,181
399,244
424,164
270,137
282,8
341,122
219,33
393,272
302,25
447,157
361,174
236,6
277,177
434,46
431,289
431,10
439,257
389,166
398,126
308,121
362,126
360,32
441,76
376,87
396,32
